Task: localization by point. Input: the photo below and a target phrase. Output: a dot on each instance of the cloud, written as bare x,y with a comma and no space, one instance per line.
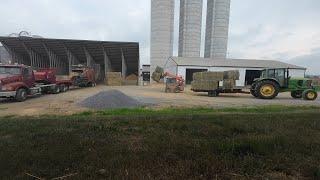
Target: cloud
312,61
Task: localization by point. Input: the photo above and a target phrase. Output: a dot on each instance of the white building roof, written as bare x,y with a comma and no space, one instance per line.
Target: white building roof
240,63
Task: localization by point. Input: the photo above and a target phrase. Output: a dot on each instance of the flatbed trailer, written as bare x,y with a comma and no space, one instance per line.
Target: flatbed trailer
220,89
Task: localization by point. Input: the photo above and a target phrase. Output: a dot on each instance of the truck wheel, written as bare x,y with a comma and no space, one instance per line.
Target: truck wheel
310,95
56,90
90,84
267,90
296,94
21,95
62,88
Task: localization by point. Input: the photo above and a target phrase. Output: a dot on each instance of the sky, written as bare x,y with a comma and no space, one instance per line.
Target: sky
286,30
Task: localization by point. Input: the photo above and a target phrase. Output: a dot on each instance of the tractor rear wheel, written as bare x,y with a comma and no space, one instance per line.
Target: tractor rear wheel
267,89
296,94
310,95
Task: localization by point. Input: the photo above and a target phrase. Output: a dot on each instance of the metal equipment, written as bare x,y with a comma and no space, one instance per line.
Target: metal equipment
174,83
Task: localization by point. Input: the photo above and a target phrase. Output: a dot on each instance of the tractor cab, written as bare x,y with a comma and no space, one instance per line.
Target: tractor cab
274,81
280,75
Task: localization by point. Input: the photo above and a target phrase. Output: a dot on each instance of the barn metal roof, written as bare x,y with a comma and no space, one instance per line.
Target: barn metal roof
240,63
95,48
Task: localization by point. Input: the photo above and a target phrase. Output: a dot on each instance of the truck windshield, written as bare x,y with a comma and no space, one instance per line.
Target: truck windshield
10,70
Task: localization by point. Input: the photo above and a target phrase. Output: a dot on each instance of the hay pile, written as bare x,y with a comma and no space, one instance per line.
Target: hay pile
114,79
132,79
204,85
208,76
235,75
229,79
229,83
207,81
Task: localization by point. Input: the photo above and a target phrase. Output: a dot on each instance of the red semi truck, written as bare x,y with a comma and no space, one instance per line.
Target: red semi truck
20,81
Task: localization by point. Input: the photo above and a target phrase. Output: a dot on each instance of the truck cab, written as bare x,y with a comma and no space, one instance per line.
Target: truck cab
16,81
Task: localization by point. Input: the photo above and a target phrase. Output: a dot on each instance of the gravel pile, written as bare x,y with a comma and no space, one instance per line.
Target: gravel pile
112,99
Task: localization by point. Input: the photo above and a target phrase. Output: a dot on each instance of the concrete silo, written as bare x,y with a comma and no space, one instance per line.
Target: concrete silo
217,29
162,31
190,28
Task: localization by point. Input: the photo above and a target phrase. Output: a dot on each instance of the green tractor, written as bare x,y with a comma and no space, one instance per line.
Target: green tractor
274,81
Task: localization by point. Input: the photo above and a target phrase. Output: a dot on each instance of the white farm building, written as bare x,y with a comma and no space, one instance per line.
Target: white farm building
249,69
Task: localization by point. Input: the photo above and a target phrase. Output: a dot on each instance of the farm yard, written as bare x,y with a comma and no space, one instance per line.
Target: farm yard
152,97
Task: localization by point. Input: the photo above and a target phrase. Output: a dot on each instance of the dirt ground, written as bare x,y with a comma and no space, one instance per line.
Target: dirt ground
152,96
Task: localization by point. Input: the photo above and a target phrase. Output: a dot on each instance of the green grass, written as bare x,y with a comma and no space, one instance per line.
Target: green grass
246,143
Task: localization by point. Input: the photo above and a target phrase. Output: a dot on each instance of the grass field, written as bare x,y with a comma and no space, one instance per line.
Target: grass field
248,143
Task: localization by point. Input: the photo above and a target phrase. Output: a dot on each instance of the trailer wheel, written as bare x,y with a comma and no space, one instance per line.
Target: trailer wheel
62,88
296,94
21,95
213,93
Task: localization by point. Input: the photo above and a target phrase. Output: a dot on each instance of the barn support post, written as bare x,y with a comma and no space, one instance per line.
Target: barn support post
49,55
89,58
124,65
72,60
107,63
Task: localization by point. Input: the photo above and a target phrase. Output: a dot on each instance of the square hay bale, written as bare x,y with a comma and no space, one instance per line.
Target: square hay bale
156,76
229,83
114,79
235,75
208,76
204,85
316,81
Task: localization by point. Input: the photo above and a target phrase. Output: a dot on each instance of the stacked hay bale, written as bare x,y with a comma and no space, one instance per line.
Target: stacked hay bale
230,78
114,78
157,74
316,81
206,81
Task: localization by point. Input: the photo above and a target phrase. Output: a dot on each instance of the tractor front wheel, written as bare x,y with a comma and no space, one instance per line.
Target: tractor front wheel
296,94
310,95
267,89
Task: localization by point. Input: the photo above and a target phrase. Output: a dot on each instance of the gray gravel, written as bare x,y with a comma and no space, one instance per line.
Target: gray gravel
112,99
